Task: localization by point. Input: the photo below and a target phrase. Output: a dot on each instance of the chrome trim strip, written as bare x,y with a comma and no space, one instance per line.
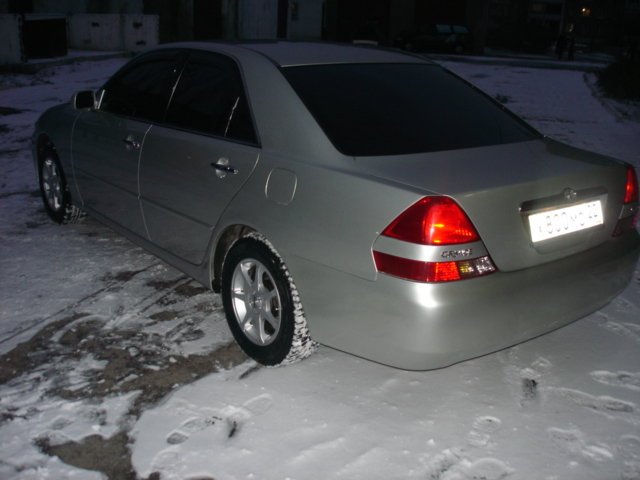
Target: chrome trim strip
429,253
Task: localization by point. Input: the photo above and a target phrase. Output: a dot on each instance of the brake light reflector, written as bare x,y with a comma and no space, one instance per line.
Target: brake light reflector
433,221
631,193
432,271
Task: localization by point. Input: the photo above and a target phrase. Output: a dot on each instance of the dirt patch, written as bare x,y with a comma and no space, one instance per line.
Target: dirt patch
120,361
111,457
28,355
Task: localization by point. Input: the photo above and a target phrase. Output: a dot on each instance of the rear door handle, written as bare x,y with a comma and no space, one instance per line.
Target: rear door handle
131,143
223,168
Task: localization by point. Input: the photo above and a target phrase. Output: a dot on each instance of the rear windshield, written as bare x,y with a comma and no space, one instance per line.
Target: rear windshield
397,109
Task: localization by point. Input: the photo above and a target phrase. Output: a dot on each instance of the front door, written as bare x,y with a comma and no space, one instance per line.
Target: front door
107,142
106,153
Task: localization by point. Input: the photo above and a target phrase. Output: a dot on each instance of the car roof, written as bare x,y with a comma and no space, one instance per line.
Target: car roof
290,53
285,53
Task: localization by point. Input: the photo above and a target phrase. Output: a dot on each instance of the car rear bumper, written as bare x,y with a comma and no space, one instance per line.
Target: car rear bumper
419,326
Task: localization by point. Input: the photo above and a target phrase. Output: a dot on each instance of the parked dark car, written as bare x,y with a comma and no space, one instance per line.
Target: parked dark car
435,38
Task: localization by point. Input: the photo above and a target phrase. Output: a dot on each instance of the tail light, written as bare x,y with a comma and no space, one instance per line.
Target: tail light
629,215
433,221
631,193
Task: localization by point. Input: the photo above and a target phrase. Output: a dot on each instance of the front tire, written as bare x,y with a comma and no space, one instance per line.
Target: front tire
261,304
55,190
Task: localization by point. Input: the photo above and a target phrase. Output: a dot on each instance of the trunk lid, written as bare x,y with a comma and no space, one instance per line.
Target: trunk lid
500,186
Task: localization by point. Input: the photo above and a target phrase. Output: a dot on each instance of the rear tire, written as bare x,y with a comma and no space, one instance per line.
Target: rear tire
55,190
262,305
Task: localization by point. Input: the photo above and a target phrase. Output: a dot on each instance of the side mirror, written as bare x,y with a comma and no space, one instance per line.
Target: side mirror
83,100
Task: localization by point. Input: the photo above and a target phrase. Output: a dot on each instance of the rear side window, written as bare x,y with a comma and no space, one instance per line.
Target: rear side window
141,89
396,109
210,98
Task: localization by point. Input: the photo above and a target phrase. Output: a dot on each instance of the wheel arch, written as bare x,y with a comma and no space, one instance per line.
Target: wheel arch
41,142
225,241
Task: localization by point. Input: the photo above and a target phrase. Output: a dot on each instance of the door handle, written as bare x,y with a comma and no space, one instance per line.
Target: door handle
223,168
131,143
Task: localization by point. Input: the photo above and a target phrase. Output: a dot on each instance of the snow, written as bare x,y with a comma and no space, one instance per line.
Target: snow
562,406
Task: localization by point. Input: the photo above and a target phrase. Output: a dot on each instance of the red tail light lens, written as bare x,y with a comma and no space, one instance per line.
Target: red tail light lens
631,193
629,213
433,221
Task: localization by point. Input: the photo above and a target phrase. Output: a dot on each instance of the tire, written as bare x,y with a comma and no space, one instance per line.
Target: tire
55,190
262,305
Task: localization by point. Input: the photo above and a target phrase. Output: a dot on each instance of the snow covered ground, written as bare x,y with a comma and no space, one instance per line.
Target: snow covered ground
100,338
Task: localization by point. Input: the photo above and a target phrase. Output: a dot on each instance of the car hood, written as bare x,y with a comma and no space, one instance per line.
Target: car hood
493,183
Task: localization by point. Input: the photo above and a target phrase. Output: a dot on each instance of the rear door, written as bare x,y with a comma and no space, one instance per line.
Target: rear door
192,165
107,142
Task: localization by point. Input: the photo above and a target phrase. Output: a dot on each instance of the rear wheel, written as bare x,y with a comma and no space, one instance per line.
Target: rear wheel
54,189
262,305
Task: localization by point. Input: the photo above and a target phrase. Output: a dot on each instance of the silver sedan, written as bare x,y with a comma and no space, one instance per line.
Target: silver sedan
356,197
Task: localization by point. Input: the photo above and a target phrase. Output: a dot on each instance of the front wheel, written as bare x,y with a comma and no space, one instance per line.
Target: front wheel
261,304
54,189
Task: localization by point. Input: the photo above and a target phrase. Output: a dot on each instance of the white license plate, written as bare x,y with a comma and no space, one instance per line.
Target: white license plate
562,221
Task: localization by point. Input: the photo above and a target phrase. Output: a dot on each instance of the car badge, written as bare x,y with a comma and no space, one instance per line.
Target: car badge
570,194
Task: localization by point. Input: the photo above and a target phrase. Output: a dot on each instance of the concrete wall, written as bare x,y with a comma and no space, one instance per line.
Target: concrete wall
308,25
257,19
85,6
11,51
111,32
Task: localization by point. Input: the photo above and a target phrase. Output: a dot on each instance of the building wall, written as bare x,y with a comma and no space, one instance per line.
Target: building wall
11,50
305,19
88,6
111,32
257,19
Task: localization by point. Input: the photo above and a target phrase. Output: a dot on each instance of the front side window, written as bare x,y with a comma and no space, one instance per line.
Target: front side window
141,89
210,98
396,109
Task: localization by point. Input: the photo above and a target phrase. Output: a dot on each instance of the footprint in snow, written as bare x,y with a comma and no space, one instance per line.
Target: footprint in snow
526,381
451,465
260,404
234,417
604,403
618,379
628,330
483,427
629,450
574,442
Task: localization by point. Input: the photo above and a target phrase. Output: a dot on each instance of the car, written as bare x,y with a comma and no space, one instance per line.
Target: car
445,38
352,196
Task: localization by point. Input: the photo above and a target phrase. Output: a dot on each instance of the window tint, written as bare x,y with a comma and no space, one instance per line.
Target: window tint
210,98
141,88
395,109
